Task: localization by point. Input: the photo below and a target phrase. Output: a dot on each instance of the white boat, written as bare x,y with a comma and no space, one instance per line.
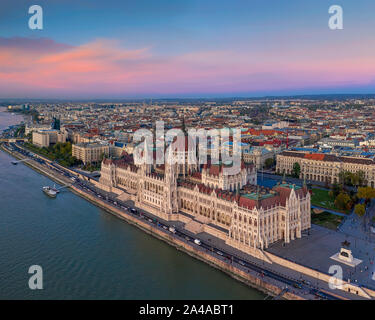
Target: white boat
49,192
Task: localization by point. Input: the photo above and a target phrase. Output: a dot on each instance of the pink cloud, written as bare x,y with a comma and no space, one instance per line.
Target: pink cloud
104,67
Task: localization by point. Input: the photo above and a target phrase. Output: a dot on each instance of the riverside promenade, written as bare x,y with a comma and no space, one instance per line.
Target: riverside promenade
268,283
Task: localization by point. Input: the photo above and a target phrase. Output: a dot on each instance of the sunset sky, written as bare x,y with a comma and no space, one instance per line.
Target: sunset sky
185,48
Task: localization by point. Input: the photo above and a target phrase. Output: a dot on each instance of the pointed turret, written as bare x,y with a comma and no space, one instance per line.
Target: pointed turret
170,188
148,158
183,128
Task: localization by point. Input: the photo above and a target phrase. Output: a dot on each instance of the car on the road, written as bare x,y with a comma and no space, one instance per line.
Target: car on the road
306,282
321,295
241,262
297,285
219,253
198,242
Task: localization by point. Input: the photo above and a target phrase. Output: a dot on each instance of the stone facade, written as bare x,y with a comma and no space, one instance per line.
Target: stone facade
325,167
233,208
89,152
258,156
44,138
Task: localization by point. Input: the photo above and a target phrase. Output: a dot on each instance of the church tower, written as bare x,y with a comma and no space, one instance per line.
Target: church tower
170,185
143,171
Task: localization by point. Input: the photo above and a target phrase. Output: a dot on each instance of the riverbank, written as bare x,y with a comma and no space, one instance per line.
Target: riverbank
247,278
37,167
240,275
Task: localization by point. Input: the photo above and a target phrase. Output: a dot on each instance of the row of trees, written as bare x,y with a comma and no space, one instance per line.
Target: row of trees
345,200
366,193
352,179
60,152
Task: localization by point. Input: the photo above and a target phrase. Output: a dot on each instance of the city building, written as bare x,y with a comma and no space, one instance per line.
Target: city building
338,142
90,152
234,209
29,128
270,125
44,138
324,167
257,155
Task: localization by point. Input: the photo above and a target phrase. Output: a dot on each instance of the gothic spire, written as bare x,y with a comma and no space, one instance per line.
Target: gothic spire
183,128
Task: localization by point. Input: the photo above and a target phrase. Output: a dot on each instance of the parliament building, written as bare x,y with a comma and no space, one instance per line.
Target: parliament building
205,199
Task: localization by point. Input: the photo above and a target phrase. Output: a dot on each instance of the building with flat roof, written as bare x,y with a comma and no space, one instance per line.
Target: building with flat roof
44,138
90,152
325,167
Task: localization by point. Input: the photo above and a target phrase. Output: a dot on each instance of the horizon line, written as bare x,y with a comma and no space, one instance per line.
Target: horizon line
293,96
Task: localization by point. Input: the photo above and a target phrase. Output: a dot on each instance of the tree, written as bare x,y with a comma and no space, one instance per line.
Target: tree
29,136
342,201
335,191
361,177
296,170
357,178
268,163
342,178
366,193
346,178
360,210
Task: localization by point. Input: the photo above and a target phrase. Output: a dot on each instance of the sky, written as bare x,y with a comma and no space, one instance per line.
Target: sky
93,49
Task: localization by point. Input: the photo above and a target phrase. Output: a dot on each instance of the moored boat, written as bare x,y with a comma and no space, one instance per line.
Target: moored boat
49,192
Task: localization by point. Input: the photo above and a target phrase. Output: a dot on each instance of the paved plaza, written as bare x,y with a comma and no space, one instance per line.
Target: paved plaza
314,251
353,225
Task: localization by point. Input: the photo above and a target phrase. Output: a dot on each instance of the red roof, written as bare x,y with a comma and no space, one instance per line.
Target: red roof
314,156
